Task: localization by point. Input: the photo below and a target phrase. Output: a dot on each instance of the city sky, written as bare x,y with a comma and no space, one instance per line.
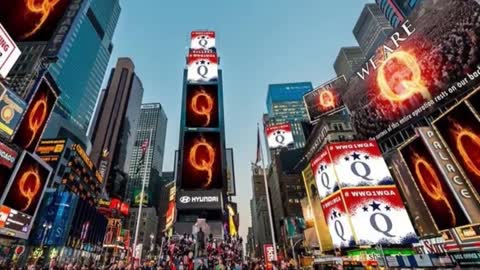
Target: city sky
259,42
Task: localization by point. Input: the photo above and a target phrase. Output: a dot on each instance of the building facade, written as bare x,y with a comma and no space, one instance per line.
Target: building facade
147,233
396,11
349,60
114,133
152,120
259,211
371,29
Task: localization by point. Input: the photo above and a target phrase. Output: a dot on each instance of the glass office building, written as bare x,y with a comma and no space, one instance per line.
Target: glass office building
397,10
83,61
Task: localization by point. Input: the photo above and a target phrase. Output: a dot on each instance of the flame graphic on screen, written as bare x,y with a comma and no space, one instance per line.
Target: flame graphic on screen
327,99
36,118
29,185
202,110
430,184
203,165
405,73
43,8
461,134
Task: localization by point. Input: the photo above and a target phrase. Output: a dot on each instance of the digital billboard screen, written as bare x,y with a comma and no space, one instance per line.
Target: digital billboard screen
36,117
279,136
32,20
430,59
444,208
338,221
460,130
325,98
8,156
51,151
326,180
202,66
202,40
12,108
379,216
202,106
202,161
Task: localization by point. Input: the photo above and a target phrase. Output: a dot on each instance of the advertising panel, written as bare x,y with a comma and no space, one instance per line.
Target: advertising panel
414,72
36,117
202,66
443,207
359,164
325,98
279,135
211,199
51,151
170,215
338,221
202,106
23,195
202,161
321,227
202,40
380,216
417,208
466,259
459,129
8,156
12,108
137,196
325,177
269,253
451,174
231,189
9,52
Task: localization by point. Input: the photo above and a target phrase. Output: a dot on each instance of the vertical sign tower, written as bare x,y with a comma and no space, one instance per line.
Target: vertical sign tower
201,165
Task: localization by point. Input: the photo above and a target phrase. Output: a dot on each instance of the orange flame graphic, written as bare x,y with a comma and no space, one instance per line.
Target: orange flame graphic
44,8
203,165
36,118
29,191
462,134
205,111
430,183
408,81
327,99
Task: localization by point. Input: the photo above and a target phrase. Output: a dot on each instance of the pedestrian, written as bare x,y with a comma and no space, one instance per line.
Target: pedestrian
201,265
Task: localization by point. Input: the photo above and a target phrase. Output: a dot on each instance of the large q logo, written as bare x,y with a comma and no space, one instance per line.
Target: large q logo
399,78
29,186
326,99
37,118
464,137
42,8
203,164
429,182
203,110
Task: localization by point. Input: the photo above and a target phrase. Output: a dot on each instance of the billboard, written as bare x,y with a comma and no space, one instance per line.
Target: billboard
205,199
9,52
51,151
202,66
459,129
36,117
325,178
269,253
338,222
359,163
202,106
12,108
202,161
23,195
419,68
279,135
231,189
382,216
325,98
137,196
202,40
8,156
444,208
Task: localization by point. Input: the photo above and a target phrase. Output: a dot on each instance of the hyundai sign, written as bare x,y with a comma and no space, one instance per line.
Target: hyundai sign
199,200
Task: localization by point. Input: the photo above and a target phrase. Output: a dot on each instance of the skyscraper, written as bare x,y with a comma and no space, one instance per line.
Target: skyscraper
348,61
371,29
152,120
396,11
285,105
114,132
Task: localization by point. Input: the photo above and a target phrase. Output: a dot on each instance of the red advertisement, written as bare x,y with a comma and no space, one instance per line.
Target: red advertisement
324,174
202,40
202,106
32,20
325,98
379,216
460,130
27,185
279,135
202,161
7,156
444,208
359,163
202,66
419,68
269,253
36,117
338,221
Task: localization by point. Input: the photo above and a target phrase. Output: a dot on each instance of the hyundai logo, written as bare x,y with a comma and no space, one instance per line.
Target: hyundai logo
185,199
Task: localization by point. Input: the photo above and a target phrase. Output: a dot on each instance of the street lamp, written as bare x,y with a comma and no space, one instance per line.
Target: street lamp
151,244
